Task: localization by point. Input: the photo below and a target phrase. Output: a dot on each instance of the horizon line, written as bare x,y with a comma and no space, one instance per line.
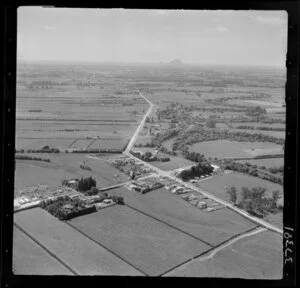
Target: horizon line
182,64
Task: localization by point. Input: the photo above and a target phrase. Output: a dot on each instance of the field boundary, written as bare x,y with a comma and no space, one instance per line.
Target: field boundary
72,142
90,143
47,250
229,241
170,225
100,244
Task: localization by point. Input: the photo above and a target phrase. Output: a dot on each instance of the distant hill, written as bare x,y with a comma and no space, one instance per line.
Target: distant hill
175,63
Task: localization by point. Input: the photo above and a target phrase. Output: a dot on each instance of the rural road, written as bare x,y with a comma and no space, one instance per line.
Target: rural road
189,185
140,127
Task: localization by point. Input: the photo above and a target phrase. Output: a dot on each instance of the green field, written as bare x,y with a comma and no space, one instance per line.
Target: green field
144,242
255,257
212,227
216,186
225,148
64,166
29,258
84,256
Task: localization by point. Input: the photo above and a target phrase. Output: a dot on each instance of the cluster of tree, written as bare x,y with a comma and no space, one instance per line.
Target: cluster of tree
159,138
216,109
48,150
71,130
261,119
260,128
255,111
202,168
251,170
35,110
118,199
85,184
164,150
193,156
275,170
99,151
148,157
90,192
192,137
254,200
85,167
57,207
25,157
210,122
223,101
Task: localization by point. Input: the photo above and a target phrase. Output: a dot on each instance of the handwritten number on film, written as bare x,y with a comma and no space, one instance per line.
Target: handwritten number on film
288,245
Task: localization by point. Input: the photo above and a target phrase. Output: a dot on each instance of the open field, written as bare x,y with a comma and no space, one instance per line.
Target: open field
225,148
29,258
72,107
255,257
84,256
213,227
64,166
216,186
144,242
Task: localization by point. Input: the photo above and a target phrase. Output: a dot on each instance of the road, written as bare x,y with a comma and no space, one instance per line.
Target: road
189,185
140,127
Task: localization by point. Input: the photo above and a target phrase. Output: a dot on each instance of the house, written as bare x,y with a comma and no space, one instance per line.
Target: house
216,168
194,202
280,203
107,201
68,206
202,205
177,189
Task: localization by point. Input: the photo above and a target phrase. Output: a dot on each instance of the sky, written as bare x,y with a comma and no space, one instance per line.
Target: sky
208,37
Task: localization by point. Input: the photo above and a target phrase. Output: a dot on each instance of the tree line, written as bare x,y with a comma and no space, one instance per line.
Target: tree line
254,200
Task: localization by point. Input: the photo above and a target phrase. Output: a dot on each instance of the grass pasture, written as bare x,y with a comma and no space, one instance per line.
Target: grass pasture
29,258
212,227
216,186
38,143
84,256
233,149
109,144
258,256
144,242
81,143
64,166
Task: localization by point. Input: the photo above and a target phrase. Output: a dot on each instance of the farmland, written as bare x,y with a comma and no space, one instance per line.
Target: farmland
255,257
61,110
29,258
64,166
231,149
212,227
78,252
144,242
216,186
80,107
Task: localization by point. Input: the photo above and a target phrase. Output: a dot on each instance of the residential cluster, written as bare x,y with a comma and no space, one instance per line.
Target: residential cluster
144,186
130,167
150,157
